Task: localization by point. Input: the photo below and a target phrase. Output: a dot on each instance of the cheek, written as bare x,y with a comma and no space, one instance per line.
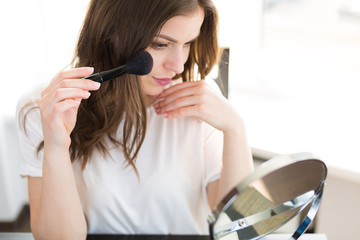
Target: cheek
159,58
156,56
186,54
157,62
156,66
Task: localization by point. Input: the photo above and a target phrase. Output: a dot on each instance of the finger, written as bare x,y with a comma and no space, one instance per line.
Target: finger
50,115
71,85
72,73
70,93
177,87
190,111
76,72
178,103
180,93
78,99
48,102
66,105
186,89
84,84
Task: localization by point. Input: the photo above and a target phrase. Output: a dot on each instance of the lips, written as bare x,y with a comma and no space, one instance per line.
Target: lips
162,81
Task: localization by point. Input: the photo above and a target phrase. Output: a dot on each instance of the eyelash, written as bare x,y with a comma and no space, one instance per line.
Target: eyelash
159,45
190,43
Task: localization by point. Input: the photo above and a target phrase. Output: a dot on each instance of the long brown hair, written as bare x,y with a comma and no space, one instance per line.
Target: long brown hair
112,31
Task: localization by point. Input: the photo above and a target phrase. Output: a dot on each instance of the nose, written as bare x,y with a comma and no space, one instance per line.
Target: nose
175,61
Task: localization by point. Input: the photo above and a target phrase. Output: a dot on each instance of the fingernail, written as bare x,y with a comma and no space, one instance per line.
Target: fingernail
96,84
89,69
165,115
157,110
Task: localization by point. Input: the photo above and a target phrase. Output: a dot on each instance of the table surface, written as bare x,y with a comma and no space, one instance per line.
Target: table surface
28,236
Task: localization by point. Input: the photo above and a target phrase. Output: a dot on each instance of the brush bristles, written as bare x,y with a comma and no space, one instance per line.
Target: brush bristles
140,64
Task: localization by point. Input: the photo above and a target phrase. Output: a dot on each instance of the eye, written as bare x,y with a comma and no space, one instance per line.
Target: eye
158,45
188,44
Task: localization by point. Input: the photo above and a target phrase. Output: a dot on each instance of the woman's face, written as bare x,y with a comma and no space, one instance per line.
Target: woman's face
170,50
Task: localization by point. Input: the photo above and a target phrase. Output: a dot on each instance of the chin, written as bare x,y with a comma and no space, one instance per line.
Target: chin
156,91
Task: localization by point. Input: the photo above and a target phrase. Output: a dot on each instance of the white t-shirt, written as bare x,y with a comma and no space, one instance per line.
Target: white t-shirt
177,160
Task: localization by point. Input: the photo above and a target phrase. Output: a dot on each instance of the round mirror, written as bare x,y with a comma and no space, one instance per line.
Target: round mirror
272,195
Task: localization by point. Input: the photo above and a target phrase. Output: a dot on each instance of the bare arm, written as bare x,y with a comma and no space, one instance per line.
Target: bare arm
56,211
237,163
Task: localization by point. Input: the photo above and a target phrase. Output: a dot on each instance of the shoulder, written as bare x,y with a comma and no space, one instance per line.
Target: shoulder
27,111
29,99
33,95
29,132
213,85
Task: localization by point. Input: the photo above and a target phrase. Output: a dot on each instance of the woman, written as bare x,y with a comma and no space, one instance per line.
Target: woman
148,154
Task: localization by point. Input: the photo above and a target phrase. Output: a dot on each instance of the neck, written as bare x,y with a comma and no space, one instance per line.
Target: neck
149,100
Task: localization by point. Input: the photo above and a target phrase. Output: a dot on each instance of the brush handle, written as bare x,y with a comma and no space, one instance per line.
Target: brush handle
95,77
107,75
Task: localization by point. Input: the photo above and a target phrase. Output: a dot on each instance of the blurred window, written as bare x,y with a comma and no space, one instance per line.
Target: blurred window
305,95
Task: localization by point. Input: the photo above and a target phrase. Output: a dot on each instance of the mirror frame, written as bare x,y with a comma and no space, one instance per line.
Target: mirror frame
263,170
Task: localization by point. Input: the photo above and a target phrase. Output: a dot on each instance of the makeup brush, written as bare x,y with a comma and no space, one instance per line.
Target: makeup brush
140,63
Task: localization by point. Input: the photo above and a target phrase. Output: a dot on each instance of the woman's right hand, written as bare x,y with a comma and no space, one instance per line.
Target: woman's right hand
60,101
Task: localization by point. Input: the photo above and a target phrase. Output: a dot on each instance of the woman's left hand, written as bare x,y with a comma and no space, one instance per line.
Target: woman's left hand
199,100
196,99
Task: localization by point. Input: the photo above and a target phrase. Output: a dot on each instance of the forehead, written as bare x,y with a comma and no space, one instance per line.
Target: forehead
184,28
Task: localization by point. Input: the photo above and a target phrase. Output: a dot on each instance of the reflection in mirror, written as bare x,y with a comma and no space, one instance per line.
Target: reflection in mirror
275,193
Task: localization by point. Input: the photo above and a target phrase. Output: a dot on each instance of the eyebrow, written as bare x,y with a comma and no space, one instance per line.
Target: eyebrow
172,39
